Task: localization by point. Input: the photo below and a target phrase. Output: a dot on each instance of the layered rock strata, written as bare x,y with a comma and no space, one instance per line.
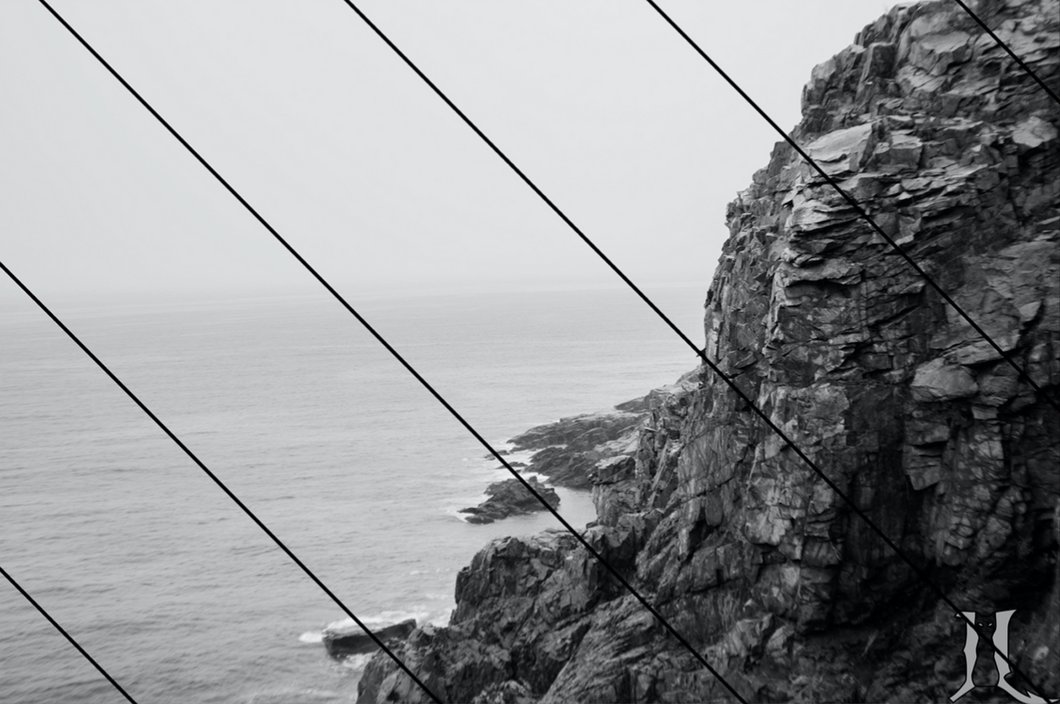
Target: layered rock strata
570,452
921,424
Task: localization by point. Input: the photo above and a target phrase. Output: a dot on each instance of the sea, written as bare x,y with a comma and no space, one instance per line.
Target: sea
304,416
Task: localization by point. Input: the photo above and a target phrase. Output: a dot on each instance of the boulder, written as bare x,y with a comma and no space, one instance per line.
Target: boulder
354,641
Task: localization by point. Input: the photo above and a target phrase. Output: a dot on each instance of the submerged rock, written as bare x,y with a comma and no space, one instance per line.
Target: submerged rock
510,498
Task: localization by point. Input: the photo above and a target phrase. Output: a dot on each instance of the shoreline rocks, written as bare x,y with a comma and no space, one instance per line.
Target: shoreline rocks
570,451
745,550
579,452
510,498
354,641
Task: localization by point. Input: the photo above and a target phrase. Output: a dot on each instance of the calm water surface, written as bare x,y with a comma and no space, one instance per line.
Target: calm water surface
308,420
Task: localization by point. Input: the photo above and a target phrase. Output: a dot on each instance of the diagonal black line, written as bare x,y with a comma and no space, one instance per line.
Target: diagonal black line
66,635
710,364
1009,51
211,475
701,353
393,352
855,205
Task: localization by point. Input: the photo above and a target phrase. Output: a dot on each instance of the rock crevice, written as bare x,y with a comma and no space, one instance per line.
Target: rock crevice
917,420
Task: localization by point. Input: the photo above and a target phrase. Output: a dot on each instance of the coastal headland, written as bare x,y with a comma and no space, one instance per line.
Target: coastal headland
920,424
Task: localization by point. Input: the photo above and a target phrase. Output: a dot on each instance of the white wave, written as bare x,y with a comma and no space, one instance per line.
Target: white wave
502,446
455,512
383,617
356,662
421,614
523,456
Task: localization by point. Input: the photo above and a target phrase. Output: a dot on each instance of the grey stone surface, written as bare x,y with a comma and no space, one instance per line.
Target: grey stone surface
907,411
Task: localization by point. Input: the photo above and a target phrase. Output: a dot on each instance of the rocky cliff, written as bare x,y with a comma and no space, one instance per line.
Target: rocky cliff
745,550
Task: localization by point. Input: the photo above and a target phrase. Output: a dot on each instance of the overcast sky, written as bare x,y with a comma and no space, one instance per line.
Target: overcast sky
352,158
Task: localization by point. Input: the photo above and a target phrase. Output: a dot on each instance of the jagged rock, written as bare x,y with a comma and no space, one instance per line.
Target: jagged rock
521,612
572,450
907,411
510,498
580,433
508,692
354,641
938,381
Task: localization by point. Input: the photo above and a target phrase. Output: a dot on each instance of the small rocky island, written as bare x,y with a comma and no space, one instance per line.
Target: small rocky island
510,498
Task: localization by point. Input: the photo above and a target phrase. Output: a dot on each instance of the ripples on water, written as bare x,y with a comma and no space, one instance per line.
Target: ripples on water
334,446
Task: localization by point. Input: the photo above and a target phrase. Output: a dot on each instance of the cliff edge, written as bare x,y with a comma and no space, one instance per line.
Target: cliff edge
953,150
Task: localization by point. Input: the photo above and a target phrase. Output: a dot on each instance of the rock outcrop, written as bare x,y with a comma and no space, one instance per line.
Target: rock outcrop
571,451
510,498
746,551
342,643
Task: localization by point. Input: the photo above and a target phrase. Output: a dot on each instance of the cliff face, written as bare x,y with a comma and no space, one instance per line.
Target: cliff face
953,150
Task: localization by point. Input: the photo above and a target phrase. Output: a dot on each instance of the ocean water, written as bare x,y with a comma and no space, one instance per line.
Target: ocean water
316,428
